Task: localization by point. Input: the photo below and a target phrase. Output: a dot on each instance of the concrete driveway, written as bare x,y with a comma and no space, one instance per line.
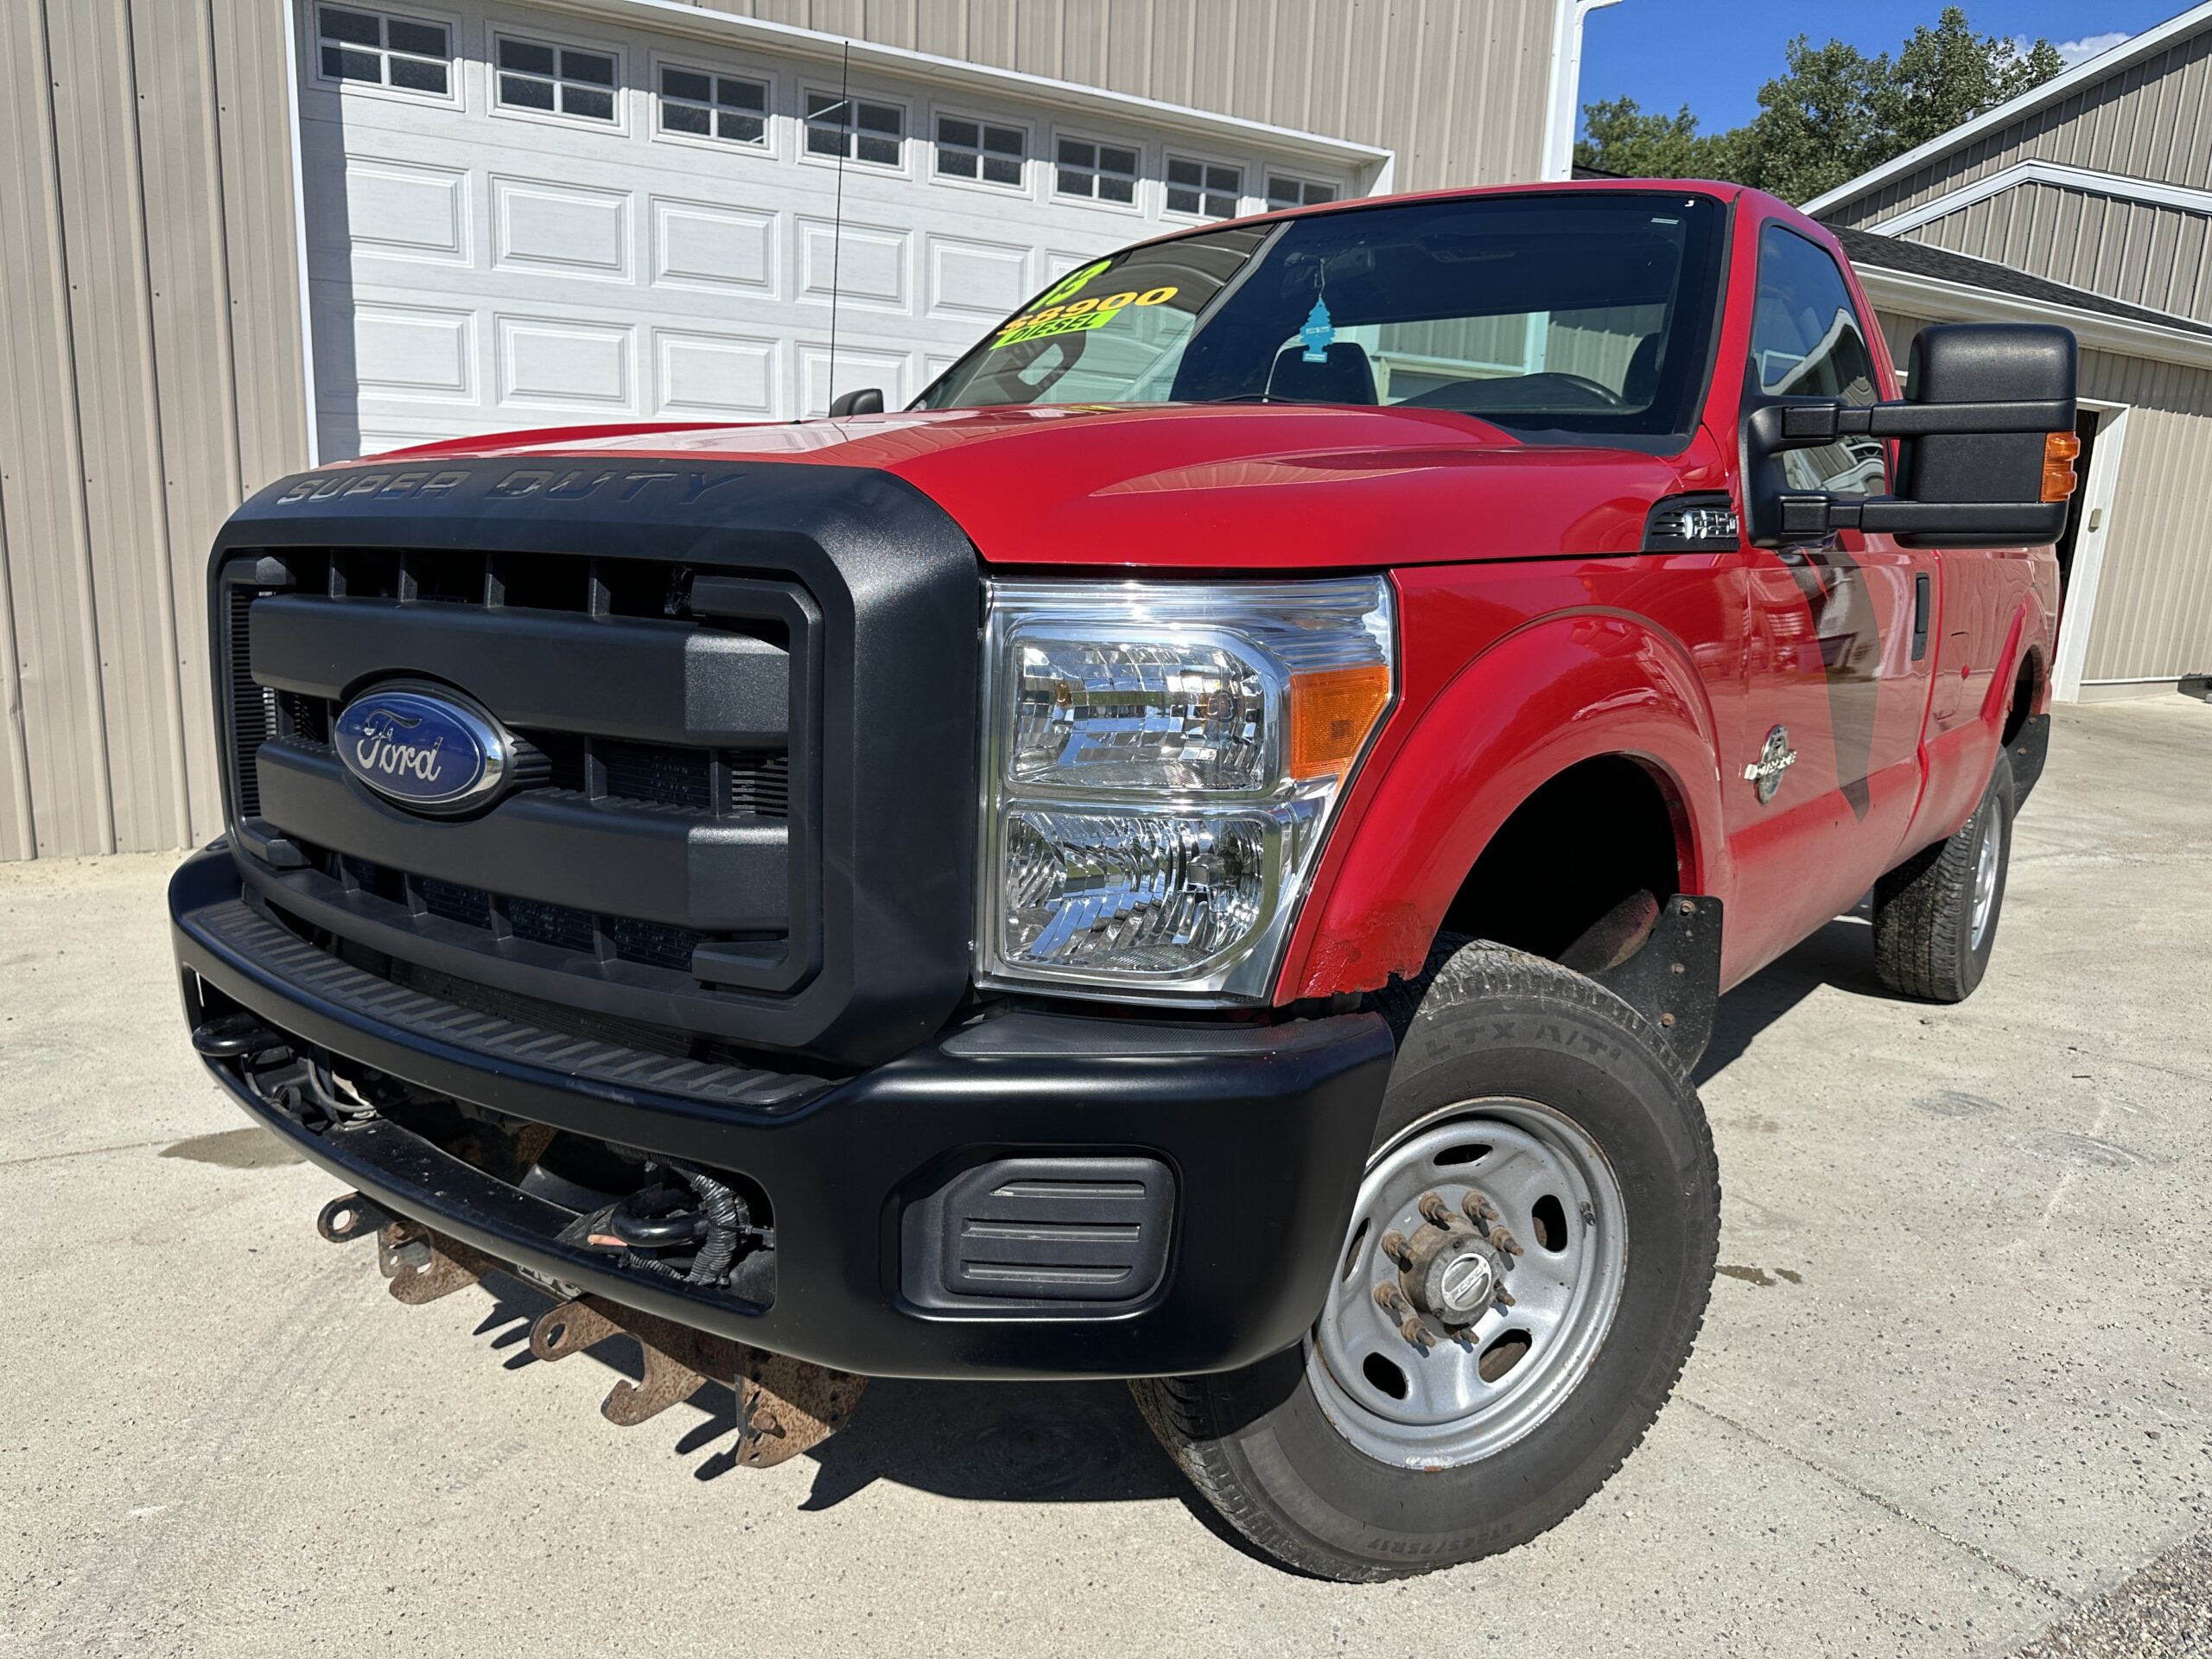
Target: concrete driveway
1956,1380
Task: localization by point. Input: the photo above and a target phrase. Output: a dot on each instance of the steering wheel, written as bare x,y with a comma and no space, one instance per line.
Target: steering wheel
1583,382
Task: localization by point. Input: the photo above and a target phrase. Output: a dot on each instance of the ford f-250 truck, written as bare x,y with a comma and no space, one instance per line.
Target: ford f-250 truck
1203,851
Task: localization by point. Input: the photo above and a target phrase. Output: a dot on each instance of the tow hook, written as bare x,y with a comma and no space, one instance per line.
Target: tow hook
784,1406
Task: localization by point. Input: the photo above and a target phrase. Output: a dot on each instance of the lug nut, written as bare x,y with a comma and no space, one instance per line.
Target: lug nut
1502,1240
1415,1333
1505,1298
1395,1247
1390,1298
1478,1209
1434,1209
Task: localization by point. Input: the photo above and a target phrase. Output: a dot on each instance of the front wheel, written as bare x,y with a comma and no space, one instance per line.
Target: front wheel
1525,1272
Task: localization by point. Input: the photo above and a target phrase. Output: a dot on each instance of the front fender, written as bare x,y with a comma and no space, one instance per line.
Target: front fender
1569,687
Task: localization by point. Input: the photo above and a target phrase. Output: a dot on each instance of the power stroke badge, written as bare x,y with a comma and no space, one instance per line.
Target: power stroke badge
1765,774
423,748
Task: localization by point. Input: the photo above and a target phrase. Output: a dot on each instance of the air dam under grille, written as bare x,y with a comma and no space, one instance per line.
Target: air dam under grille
744,697
1030,1232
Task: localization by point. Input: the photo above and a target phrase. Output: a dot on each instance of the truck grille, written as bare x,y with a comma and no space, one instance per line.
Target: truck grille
744,696
633,799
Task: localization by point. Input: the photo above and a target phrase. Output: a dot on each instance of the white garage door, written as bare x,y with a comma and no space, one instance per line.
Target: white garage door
515,219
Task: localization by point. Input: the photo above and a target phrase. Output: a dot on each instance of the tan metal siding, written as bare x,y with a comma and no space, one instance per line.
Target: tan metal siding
2136,251
2154,600
42,478
2152,120
138,208
1455,87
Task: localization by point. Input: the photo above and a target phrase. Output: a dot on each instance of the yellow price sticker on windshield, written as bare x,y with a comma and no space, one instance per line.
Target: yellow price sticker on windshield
1077,316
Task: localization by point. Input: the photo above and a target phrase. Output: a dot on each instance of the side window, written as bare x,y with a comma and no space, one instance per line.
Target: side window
1807,341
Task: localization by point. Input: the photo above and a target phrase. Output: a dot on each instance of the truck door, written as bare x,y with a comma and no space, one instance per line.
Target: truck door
1828,761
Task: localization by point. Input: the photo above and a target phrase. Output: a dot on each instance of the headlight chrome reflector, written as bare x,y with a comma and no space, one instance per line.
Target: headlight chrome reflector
1161,761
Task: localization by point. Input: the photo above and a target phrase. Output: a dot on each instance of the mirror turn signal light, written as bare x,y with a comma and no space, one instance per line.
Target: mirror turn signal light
2059,449
1331,712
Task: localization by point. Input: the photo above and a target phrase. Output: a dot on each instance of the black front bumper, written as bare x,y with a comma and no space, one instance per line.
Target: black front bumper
1266,1130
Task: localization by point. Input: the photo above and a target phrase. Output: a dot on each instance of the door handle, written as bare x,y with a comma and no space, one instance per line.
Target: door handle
1919,616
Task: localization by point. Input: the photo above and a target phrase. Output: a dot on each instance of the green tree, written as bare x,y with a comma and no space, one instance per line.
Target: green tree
1832,113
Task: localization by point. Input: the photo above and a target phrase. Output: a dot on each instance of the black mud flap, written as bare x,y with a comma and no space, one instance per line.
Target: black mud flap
2029,750
1674,978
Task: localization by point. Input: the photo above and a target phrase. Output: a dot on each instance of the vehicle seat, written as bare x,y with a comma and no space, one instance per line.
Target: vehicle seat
1641,384
1346,377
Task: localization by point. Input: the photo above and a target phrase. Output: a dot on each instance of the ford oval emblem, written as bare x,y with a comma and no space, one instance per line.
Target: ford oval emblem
425,746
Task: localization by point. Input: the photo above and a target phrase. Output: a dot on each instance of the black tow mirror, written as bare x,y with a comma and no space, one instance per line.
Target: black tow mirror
1985,445
868,400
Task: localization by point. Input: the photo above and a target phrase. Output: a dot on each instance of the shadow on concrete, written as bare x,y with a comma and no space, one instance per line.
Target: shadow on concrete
1017,1442
1842,955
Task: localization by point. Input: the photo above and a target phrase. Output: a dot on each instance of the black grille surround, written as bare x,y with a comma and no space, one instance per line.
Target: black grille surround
748,695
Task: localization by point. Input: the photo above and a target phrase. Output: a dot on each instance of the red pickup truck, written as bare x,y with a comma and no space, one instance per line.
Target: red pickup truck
1203,851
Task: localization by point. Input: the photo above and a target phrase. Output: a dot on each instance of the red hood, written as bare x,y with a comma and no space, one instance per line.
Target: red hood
1192,486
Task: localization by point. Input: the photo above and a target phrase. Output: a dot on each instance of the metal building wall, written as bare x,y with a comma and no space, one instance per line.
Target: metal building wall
2140,252
2150,120
148,376
1456,88
2153,619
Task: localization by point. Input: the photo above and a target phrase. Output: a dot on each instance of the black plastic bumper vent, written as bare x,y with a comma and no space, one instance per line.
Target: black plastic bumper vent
1037,1232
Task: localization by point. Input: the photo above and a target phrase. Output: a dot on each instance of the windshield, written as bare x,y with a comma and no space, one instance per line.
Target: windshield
1559,317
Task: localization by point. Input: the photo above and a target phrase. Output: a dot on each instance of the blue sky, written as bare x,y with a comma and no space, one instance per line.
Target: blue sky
1714,54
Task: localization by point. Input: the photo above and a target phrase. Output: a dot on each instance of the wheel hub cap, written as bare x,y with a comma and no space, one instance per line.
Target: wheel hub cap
1485,1262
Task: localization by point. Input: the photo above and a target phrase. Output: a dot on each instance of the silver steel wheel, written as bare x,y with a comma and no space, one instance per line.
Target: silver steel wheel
1986,863
1484,1384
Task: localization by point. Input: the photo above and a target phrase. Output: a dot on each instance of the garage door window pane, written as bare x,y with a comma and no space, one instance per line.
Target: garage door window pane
978,149
534,75
727,107
593,68
414,75
338,64
1094,171
527,56
585,101
353,28
423,40
379,51
687,84
523,93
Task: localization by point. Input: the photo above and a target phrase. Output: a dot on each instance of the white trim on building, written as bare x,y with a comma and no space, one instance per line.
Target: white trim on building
2151,192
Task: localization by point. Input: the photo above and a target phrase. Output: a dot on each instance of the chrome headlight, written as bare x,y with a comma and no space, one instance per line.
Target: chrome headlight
1161,763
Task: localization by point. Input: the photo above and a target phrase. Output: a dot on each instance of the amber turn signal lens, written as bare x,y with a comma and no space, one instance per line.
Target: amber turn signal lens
2059,449
1331,712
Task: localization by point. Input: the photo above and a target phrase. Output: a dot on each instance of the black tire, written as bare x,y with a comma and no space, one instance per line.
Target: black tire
1924,942
1256,1442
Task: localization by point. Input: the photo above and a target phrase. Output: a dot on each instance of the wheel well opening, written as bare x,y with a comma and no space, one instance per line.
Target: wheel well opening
1600,832
2026,686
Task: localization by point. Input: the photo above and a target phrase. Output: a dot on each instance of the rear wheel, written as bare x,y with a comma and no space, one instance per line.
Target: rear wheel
1936,914
1525,1269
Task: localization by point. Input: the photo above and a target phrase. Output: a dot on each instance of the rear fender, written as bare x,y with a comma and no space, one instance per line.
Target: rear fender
1961,760
1570,688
